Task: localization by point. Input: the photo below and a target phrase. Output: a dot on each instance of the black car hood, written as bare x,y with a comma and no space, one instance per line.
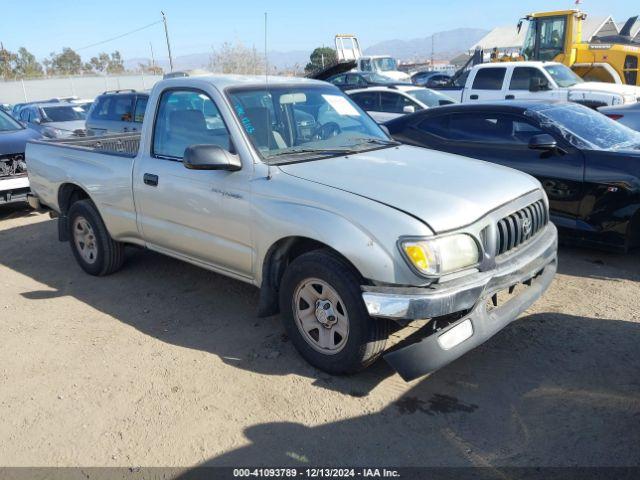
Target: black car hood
15,141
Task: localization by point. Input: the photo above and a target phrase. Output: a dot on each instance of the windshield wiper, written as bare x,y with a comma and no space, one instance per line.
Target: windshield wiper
319,151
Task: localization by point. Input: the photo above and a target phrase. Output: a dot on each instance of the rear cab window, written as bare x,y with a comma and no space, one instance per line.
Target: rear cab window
141,106
490,78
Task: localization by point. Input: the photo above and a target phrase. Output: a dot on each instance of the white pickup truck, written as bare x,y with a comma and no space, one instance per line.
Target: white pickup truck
289,186
536,80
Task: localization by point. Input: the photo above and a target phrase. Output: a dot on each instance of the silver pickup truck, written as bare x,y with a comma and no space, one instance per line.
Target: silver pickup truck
288,185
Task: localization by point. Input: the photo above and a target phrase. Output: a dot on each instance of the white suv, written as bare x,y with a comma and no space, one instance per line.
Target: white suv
387,103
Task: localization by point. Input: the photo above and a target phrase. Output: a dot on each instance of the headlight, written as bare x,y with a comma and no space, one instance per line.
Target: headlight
439,256
630,99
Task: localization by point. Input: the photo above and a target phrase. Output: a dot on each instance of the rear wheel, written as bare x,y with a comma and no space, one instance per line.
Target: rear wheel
325,317
92,246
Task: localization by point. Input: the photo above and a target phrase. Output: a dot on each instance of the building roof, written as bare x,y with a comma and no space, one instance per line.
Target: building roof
508,38
503,38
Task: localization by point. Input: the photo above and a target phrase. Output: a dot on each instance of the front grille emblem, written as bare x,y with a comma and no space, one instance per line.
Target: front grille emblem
526,227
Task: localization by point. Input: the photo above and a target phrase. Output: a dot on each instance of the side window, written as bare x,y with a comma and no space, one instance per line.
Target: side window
368,101
366,65
338,80
24,114
491,128
438,126
522,77
185,118
395,103
353,80
141,106
123,108
489,78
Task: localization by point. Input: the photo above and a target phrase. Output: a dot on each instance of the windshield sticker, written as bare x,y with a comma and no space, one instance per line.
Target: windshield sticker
341,105
246,123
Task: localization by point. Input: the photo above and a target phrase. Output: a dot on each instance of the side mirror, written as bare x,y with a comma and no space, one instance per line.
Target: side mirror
543,142
409,109
37,121
538,85
210,157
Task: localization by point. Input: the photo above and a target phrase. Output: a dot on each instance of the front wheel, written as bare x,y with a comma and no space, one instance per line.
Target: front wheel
325,317
92,246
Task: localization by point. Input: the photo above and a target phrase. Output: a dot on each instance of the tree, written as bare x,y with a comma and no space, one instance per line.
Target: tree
115,64
100,62
66,63
7,60
236,58
321,58
26,65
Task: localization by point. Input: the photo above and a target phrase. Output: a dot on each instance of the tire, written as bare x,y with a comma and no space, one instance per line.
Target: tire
92,246
338,351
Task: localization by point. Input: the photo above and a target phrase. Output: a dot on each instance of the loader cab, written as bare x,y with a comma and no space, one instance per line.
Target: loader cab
552,35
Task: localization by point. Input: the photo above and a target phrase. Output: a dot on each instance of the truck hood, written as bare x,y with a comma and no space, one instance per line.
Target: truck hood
445,191
14,141
606,88
71,126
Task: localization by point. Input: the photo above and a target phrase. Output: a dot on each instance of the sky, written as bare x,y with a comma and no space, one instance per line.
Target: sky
44,26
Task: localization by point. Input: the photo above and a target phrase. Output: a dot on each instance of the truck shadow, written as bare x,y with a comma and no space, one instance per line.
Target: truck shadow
550,390
15,210
186,306
174,302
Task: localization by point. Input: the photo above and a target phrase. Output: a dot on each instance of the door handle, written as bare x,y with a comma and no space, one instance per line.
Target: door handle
473,97
510,97
150,179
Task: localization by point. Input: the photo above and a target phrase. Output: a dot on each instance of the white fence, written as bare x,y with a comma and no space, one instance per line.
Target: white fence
84,87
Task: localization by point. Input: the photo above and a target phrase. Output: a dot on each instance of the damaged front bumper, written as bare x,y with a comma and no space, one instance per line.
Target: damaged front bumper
532,265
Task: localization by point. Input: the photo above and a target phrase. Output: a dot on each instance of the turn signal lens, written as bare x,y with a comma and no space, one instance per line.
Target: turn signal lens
418,256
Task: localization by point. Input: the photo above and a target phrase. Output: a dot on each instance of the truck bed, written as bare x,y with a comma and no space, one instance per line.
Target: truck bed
125,144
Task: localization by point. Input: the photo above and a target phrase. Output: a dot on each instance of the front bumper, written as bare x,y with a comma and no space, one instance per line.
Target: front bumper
14,189
532,264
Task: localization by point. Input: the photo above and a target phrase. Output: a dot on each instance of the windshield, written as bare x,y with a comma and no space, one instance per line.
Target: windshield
65,113
386,64
293,123
586,128
8,124
430,98
563,75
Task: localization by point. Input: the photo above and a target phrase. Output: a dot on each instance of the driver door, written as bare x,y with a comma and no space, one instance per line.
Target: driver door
202,216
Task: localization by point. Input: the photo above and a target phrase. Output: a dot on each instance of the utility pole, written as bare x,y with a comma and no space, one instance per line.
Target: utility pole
166,33
153,58
433,39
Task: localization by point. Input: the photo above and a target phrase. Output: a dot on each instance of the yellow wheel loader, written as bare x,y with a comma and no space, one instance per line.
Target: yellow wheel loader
557,36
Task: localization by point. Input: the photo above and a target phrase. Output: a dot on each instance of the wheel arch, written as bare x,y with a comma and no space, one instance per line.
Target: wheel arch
68,194
278,257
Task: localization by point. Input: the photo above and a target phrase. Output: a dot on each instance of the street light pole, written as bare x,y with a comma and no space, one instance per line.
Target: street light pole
166,32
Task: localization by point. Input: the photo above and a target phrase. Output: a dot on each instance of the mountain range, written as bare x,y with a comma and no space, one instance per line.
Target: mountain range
446,45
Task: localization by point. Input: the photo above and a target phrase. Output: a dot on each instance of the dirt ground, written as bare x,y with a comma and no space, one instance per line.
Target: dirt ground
166,364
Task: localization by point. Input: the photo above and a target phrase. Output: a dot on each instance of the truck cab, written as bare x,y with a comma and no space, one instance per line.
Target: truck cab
551,81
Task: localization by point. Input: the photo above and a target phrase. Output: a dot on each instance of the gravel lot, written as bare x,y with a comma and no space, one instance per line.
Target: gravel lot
167,364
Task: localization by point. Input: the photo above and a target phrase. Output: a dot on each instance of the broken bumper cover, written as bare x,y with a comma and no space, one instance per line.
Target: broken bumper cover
533,264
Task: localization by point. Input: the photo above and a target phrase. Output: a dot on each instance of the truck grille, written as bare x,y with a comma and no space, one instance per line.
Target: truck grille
12,165
521,226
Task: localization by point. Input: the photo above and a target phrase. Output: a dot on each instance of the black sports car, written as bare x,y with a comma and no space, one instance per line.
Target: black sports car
588,164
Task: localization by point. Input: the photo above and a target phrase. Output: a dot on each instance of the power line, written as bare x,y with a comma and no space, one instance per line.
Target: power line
119,36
